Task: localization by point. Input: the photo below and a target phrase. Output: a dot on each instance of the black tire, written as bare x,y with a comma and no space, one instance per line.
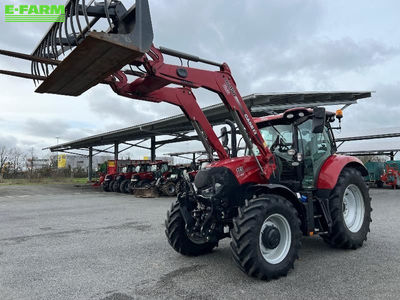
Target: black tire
116,186
341,236
131,187
379,184
106,186
111,185
177,237
124,186
246,243
169,189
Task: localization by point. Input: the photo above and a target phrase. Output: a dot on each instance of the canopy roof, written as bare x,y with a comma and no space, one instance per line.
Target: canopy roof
259,105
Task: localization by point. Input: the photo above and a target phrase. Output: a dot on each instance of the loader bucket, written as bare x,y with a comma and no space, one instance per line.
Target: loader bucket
95,40
151,192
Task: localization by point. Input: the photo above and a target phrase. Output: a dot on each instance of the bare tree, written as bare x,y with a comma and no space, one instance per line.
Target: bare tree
16,159
4,154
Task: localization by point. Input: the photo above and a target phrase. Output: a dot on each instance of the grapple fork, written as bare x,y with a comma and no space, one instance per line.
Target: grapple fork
73,56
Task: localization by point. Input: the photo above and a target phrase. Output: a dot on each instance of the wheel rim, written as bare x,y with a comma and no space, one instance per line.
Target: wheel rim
171,189
353,208
277,254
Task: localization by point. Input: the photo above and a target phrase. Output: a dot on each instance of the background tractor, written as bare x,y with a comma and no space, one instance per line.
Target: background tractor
391,174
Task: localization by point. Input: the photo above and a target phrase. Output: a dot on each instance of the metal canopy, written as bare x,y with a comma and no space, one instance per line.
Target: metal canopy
259,104
388,152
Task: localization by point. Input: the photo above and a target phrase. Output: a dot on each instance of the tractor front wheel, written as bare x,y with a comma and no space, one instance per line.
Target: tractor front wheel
116,187
350,208
266,237
124,186
177,237
106,186
169,188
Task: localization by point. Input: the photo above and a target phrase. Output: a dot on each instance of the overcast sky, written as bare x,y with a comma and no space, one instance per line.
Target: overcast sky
271,46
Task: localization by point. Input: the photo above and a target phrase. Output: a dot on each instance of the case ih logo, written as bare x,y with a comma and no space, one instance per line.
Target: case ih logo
34,13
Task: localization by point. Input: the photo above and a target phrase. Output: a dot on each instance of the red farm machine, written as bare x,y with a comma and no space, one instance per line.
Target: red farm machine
391,174
265,200
154,182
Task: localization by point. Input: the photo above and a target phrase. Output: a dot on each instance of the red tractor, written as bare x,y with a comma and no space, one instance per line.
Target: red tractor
391,175
145,174
154,181
123,179
290,183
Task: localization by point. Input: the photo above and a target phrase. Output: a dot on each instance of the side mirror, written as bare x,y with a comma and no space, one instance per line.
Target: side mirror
318,122
224,137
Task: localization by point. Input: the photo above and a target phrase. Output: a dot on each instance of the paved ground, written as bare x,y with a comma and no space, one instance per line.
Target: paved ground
64,242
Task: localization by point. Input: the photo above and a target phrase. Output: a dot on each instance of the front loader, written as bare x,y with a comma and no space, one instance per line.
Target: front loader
265,200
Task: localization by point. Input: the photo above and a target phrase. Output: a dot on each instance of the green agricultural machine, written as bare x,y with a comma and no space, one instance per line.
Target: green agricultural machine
375,171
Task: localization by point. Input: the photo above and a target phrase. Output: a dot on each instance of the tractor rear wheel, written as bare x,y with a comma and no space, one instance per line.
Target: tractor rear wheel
111,185
266,237
131,187
124,186
350,208
116,187
177,237
169,188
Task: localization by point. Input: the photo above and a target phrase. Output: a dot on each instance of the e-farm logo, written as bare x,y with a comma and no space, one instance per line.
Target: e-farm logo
34,13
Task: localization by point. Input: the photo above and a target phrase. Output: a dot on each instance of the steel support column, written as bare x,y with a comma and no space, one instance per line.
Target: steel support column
116,154
153,148
90,168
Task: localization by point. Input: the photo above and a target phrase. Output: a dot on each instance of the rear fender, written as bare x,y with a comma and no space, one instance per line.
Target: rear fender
333,166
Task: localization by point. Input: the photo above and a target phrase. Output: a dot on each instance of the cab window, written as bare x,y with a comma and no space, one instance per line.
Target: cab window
316,148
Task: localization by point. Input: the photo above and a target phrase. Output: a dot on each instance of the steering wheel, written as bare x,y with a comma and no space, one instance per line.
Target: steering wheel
283,147
274,144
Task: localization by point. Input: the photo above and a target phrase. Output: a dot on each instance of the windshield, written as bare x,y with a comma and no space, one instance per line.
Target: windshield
276,135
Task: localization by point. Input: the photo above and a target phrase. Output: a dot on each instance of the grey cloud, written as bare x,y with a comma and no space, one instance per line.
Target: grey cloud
113,108
8,141
54,128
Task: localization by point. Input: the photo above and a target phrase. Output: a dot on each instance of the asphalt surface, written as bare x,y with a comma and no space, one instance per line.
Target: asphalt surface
66,242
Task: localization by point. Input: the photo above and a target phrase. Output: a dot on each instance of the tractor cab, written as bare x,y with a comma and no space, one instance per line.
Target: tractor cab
128,169
301,140
160,169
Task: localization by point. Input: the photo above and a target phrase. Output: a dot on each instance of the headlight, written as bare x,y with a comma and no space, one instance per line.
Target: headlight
174,176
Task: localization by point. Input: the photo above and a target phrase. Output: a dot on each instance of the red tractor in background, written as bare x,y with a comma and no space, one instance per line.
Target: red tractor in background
123,179
108,178
145,173
391,175
289,183
154,180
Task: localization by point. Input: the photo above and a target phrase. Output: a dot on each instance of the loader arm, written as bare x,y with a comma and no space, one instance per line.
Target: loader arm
152,86
181,97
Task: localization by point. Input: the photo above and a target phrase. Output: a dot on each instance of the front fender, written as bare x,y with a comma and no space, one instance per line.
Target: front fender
333,166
